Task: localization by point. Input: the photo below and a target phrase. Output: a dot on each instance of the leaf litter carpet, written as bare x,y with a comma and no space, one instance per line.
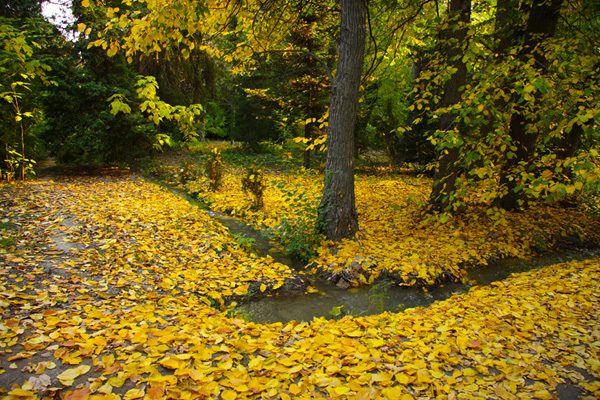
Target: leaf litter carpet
110,288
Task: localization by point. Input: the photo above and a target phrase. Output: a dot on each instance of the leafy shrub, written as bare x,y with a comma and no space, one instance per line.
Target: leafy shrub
187,172
337,313
253,182
298,230
14,163
214,170
245,243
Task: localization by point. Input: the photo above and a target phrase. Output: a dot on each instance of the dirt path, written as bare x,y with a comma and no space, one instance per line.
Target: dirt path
109,288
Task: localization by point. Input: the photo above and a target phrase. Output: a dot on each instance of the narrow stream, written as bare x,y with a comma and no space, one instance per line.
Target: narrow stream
377,299
262,245
332,301
368,300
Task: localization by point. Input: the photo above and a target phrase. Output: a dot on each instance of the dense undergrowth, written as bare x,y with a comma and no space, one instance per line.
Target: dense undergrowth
398,238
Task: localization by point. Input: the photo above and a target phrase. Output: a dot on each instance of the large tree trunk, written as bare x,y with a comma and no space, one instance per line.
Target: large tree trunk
338,209
444,178
541,25
507,29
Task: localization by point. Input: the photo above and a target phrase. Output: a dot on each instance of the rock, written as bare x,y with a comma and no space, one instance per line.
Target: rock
355,265
342,284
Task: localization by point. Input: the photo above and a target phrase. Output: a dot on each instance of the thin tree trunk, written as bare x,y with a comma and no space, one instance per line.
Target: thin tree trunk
338,208
308,128
18,110
22,151
444,179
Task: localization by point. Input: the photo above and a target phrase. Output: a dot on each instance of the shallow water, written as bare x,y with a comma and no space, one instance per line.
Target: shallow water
262,246
366,300
370,300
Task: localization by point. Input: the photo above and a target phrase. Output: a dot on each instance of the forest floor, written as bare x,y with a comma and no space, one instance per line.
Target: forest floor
400,239
112,287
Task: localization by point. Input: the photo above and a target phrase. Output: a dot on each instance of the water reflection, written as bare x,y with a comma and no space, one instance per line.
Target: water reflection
366,301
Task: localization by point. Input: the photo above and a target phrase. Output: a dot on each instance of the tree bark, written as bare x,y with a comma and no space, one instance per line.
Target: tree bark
570,142
444,178
338,209
541,25
308,129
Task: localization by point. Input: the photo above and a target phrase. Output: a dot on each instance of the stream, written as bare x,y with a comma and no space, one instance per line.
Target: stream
376,299
365,300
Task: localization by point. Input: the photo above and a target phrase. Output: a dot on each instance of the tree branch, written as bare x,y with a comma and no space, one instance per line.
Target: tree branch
310,53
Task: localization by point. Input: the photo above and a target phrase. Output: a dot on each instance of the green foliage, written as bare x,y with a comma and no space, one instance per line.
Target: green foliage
524,128
338,313
6,243
378,294
23,73
588,199
253,121
298,230
157,110
92,116
245,243
215,124
213,168
15,163
82,130
253,182
266,155
7,238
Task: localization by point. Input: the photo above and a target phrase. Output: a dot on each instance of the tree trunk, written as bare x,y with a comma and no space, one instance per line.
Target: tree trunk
506,29
444,178
570,142
22,151
308,129
338,210
541,25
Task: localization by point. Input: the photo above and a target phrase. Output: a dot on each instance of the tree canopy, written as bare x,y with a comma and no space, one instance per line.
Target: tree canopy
494,98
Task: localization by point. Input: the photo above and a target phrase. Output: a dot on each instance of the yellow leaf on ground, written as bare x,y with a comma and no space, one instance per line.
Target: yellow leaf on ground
21,393
392,393
134,394
294,389
228,395
172,363
68,376
543,395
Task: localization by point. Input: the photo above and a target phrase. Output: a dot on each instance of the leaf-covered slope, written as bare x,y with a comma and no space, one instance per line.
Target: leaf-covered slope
396,237
127,332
